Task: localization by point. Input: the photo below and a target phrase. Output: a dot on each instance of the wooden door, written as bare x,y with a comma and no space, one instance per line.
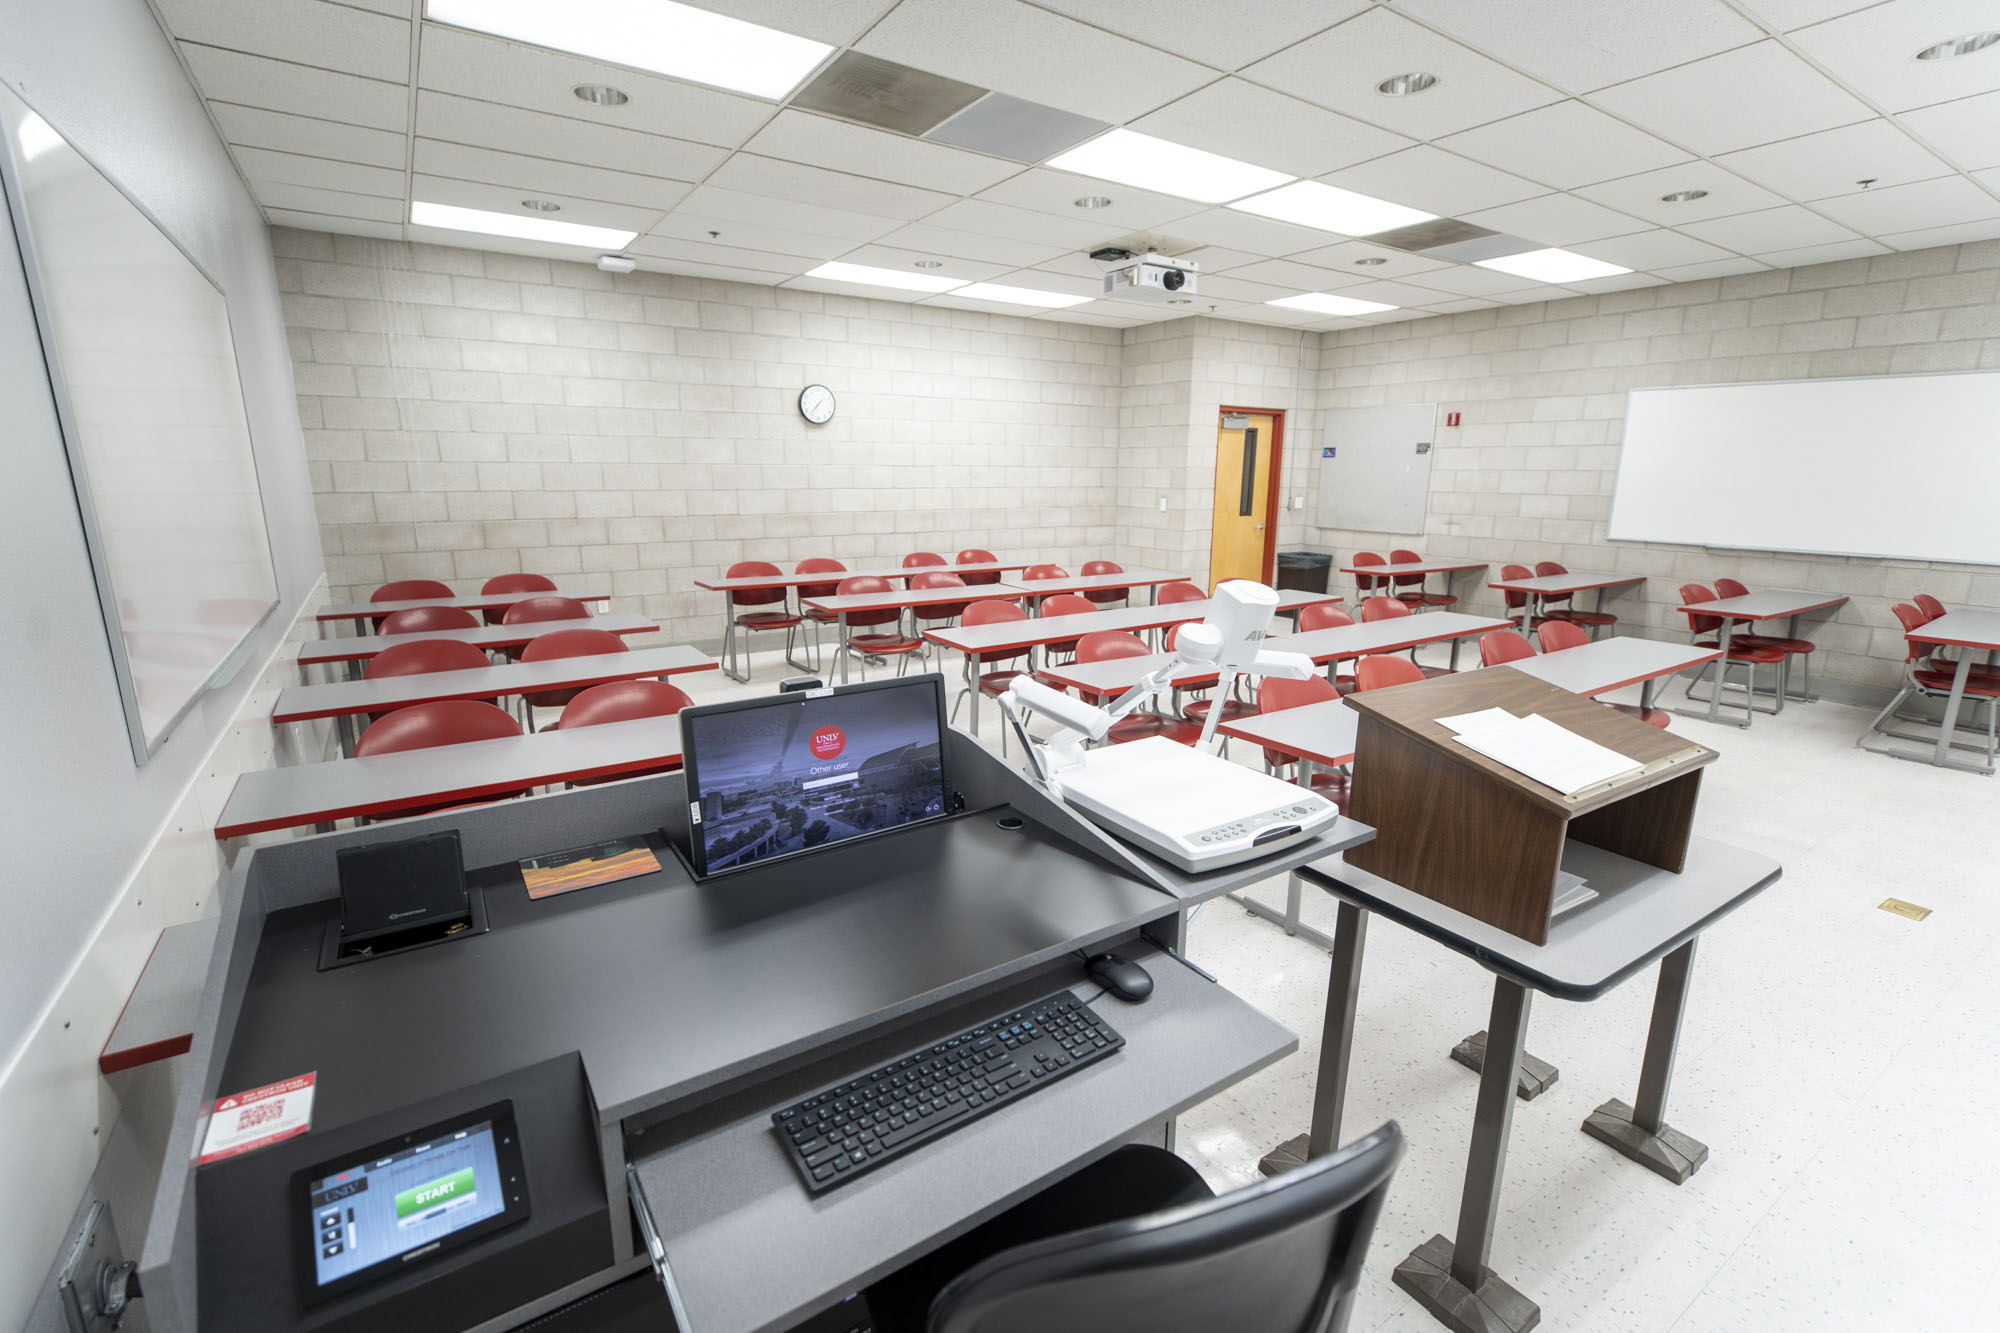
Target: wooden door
1246,449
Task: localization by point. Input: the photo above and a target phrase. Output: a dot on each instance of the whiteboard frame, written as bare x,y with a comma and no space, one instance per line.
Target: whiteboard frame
13,196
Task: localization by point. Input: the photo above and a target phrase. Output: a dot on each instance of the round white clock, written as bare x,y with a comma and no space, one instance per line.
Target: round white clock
816,404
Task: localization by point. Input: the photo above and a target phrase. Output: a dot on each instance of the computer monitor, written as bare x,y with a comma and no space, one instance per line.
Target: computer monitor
791,773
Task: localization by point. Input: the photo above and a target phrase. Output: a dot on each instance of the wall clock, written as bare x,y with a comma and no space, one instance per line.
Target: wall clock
816,404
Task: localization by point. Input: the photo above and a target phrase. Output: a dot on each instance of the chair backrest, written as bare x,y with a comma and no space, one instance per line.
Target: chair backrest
1404,556
1067,604
532,609
1368,582
992,613
973,555
923,560
427,619
1044,572
1557,635
1544,568
1730,588
1380,672
819,564
1179,592
1692,593
500,583
1322,615
423,657
1504,645
936,579
448,722
1929,605
1516,600
750,569
860,583
1283,1255
583,642
1912,619
1107,644
1382,608
623,701
1275,695
1102,567
409,590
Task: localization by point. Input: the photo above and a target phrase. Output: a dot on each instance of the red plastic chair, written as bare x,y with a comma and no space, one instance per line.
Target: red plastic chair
1180,592
893,643
1368,585
1790,647
973,555
943,613
923,560
1323,615
1275,696
1929,605
1503,645
1380,672
535,610
992,682
408,590
449,722
1590,620
1105,596
421,657
583,642
500,583
1064,604
1044,572
735,658
818,564
1383,608
1410,587
1750,658
622,701
1517,602
1106,645
427,620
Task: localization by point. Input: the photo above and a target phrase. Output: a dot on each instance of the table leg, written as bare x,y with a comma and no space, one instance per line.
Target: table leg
1641,1132
728,641
1646,692
1451,1278
1289,918
344,727
973,682
1958,680
1454,653
1336,1045
845,653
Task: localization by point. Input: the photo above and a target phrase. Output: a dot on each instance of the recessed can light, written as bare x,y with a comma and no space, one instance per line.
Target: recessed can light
1405,84
601,94
541,206
930,263
1371,262
1959,46
1094,201
1683,196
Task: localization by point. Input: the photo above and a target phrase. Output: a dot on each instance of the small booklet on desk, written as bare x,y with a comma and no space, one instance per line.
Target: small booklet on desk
581,867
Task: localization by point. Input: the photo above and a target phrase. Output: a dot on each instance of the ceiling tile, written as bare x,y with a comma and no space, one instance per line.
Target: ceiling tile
831,287
1872,51
1938,203
1019,224
1583,44
1225,36
1458,305
1985,229
1823,254
1340,68
1556,219
687,223
1640,195
1751,95
1617,282
1784,15
542,177
812,185
1400,294
509,129
1346,256
1769,229
836,21
229,76
1032,53
1652,251
1964,131
1248,232
688,268
676,249
1254,124
711,202
1228,287
1296,277
507,199
948,242
1056,192
530,77
261,164
342,226
1566,145
1835,162
1468,280
1435,181
797,136
253,127
950,266
1720,268
340,203
306,32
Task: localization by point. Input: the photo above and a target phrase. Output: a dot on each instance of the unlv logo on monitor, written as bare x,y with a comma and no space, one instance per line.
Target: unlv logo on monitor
828,742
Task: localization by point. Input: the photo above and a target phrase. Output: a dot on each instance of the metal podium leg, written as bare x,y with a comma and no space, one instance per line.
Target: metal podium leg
1336,1045
1642,1133
1537,1076
1450,1278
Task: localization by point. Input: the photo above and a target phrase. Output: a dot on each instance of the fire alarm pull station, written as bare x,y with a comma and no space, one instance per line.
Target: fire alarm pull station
1451,418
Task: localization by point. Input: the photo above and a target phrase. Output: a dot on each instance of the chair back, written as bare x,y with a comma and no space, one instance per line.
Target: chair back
750,569
500,583
1104,567
1380,672
534,609
423,656
1692,593
1283,1255
1545,568
583,642
427,620
1730,588
1557,635
1044,572
972,555
1503,645
1912,620
1368,583
1322,615
1179,592
940,610
1275,695
1382,608
1107,644
993,613
1403,556
1929,605
923,560
819,564
1515,600
1067,604
623,701
421,726
409,590
867,583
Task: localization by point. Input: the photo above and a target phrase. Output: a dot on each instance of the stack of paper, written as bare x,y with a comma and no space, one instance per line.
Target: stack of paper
1550,754
1571,891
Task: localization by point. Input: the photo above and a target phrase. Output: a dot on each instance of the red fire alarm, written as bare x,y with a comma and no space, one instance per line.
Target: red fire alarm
1451,418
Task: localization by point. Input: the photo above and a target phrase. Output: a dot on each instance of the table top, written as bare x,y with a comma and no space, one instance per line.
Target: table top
1001,636
1609,664
360,646
485,601
386,784
1131,578
895,599
1766,605
1100,679
1322,732
1640,913
300,703
794,580
1406,568
1561,583
1965,629
1385,636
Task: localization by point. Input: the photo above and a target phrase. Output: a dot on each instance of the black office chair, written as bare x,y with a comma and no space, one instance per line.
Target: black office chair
1281,1256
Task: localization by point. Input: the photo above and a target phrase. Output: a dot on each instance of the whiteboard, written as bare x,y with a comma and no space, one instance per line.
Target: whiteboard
1901,466
143,368
1375,467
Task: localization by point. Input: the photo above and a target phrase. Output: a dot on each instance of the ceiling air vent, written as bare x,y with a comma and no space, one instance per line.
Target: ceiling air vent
1448,238
1011,127
884,94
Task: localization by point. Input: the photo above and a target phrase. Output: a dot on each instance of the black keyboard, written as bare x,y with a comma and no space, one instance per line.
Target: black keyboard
847,1131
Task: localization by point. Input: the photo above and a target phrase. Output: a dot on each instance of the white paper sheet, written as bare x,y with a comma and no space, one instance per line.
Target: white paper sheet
1462,723
1550,754
1571,891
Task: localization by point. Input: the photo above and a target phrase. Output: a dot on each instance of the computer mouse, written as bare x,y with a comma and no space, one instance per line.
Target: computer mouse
1121,976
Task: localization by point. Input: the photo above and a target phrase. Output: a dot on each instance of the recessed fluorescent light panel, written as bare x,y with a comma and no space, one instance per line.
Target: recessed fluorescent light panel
1328,208
996,291
657,35
868,275
521,228
1553,266
1321,303
1131,158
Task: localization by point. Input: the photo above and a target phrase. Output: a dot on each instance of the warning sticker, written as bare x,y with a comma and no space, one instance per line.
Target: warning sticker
247,1121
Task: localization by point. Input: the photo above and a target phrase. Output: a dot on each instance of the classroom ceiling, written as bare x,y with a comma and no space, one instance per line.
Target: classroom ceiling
1812,127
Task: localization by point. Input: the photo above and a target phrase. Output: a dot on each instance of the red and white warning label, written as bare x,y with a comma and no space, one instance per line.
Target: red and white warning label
246,1121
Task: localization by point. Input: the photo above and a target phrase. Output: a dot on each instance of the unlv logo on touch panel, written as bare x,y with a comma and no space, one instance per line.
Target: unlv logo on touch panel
827,742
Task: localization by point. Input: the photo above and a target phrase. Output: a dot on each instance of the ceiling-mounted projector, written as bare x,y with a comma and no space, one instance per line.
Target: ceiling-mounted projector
1151,277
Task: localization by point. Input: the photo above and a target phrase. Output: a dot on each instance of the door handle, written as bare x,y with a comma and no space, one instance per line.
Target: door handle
1260,527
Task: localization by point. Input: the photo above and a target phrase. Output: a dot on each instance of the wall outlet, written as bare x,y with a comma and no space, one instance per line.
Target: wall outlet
1298,502
1163,504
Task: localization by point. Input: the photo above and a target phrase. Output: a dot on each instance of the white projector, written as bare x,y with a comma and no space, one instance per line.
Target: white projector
1151,277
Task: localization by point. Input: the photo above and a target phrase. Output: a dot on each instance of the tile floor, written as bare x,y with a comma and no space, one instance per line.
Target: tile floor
1829,1059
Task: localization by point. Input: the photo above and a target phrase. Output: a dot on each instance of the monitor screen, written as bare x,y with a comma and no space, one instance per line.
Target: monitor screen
786,774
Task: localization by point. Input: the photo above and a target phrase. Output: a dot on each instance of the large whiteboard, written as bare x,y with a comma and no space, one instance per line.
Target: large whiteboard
143,370
1901,466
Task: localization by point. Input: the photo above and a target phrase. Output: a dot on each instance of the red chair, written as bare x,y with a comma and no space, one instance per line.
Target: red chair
1064,604
1410,587
1368,585
992,682
420,657
1929,605
1558,635
1590,620
894,643
942,613
1322,615
923,560
1180,592
427,620
500,583
449,722
622,701
1104,646
1693,594
1196,709
1503,645
972,555
583,642
408,590
1921,676
1380,672
535,610
1105,596
1038,573
1383,608
1275,696
1517,602
818,564
1791,647
756,622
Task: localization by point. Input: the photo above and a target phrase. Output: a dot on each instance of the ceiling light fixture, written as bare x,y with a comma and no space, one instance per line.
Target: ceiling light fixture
656,35
1094,201
1683,196
601,94
1959,46
1329,208
453,218
1553,266
1323,303
1404,84
541,206
869,276
617,263
1140,160
997,291
1371,262
929,263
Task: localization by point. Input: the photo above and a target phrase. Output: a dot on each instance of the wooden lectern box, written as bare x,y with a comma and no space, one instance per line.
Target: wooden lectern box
1480,837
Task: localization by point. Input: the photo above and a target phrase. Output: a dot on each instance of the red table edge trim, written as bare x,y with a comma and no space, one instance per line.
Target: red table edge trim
481,692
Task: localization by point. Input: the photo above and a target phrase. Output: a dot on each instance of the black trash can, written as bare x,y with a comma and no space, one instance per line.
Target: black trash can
1306,571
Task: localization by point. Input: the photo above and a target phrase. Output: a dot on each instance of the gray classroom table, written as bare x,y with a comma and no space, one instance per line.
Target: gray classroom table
1971,632
362,612
842,606
1603,665
1403,569
1757,606
1557,585
360,647
1082,583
